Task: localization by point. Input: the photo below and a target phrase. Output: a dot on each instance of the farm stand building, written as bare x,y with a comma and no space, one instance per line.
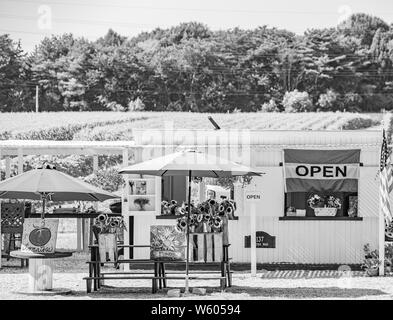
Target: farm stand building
298,238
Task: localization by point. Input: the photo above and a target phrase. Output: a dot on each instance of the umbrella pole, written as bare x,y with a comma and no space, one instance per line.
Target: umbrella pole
43,206
187,290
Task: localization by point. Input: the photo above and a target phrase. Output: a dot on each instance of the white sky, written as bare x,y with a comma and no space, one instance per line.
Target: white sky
32,20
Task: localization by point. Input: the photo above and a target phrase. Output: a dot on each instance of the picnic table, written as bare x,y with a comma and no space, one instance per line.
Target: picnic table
158,274
41,270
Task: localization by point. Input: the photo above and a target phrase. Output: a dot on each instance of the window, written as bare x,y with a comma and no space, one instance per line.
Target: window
298,200
174,188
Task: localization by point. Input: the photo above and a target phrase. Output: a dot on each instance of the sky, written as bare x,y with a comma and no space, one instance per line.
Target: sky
31,20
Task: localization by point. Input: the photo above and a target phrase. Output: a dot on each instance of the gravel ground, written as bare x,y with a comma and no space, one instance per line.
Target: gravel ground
299,284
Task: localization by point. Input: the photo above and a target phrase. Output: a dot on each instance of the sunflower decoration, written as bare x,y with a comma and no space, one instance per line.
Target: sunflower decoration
179,211
165,208
181,224
109,224
217,224
166,243
227,208
173,207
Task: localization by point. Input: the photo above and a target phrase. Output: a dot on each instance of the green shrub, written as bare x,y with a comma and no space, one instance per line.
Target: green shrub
108,179
296,101
358,123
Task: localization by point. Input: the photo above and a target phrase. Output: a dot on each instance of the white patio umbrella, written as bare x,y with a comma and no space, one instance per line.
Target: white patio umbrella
190,163
49,184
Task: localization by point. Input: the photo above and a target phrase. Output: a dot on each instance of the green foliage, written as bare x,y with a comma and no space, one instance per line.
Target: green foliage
329,101
108,179
270,106
189,67
357,123
296,101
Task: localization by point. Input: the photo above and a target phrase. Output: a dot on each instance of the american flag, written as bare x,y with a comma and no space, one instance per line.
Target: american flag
386,180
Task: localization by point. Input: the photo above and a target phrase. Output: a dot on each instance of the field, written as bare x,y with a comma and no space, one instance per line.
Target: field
118,125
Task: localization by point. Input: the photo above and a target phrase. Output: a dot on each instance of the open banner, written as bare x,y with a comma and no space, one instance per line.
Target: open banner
321,170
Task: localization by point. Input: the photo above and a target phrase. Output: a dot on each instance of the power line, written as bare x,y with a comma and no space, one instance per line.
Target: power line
218,10
80,21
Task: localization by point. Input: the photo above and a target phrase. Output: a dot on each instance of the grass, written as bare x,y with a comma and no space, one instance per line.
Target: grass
69,273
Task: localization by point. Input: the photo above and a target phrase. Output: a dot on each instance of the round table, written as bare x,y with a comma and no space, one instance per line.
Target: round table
41,269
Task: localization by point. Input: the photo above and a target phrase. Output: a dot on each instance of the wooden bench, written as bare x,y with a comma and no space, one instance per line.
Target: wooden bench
96,276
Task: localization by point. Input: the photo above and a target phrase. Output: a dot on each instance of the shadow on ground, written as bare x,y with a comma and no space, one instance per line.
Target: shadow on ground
306,292
235,291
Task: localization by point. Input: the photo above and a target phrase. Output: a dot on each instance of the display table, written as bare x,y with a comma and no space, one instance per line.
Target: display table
41,270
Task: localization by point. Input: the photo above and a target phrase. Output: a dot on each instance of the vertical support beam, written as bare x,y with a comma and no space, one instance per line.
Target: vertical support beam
20,161
7,167
1,236
78,234
157,191
88,236
253,240
125,207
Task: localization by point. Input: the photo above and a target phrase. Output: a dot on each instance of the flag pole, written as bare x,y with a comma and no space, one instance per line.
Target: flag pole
381,239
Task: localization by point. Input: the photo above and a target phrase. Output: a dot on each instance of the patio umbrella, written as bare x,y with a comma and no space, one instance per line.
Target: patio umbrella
190,163
49,184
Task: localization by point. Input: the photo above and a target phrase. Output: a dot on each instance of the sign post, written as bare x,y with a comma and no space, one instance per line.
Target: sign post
253,198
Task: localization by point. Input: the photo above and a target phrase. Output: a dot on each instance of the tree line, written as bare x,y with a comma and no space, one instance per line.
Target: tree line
191,68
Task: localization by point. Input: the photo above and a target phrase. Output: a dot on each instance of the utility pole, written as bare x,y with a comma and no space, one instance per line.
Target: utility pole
36,99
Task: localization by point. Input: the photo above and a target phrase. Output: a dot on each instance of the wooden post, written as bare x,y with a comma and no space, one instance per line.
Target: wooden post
20,161
40,275
253,199
253,241
78,234
124,208
88,236
7,167
1,236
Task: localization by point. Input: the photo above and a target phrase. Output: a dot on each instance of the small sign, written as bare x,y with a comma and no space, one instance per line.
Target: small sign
253,196
263,239
39,235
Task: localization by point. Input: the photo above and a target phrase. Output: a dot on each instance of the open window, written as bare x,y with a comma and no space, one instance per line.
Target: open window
299,201
321,184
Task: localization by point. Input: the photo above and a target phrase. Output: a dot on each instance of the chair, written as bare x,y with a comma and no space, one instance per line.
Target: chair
12,218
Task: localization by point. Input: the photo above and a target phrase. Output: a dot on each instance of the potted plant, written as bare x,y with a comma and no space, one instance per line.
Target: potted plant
291,212
324,206
141,202
371,261
108,231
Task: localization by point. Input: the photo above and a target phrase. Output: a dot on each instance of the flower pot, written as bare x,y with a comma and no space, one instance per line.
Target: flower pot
372,272
107,246
325,212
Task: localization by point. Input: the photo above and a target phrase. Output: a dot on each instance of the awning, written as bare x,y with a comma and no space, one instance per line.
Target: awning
321,170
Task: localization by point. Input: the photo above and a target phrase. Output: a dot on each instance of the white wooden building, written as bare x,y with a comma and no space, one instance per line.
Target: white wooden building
336,240
314,240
